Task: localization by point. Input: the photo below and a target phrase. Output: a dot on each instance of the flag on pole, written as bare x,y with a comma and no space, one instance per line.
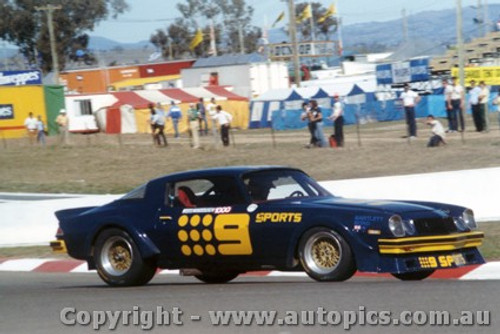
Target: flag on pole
197,39
280,18
306,14
329,12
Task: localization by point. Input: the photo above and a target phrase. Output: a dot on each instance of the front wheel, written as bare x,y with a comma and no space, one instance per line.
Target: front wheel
118,260
216,278
326,256
414,275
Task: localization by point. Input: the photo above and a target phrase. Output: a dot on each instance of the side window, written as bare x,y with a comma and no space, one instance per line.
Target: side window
206,192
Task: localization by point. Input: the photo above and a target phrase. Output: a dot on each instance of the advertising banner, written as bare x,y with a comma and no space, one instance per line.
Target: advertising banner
20,78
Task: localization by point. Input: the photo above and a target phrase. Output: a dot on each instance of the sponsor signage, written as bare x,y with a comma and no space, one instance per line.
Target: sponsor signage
407,71
306,49
20,78
489,74
6,111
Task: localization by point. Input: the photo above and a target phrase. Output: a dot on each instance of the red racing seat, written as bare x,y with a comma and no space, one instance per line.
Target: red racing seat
186,196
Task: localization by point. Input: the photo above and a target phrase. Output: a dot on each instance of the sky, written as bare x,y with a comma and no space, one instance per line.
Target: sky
146,16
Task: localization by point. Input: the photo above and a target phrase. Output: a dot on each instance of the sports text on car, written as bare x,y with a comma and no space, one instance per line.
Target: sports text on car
218,223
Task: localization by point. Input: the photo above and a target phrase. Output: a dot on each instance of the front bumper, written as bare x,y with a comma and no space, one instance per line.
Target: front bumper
58,246
439,243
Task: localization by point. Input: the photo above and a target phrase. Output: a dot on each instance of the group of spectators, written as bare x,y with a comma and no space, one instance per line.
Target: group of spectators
197,121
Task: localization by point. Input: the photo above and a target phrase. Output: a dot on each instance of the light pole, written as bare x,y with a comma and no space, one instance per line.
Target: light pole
460,49
55,63
293,37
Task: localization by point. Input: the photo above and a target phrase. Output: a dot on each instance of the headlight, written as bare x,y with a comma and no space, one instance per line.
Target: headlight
409,226
396,226
468,217
460,224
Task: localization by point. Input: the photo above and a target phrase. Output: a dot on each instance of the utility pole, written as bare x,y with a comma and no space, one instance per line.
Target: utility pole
480,18
460,49
293,38
486,18
55,63
405,25
242,39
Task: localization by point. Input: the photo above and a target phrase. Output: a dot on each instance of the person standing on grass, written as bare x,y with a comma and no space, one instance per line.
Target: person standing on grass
438,133
63,122
410,100
193,124
224,119
474,93
200,106
175,114
337,117
160,125
152,122
30,124
306,115
484,96
317,119
40,131
447,90
456,105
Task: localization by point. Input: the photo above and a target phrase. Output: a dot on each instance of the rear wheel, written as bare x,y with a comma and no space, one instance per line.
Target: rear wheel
216,278
326,256
118,260
414,276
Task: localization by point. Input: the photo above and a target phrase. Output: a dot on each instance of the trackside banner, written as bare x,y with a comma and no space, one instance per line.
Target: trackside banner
407,71
20,78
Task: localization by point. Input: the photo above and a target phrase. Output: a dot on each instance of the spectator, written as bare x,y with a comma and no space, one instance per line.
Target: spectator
474,93
63,123
337,117
30,124
224,119
202,117
456,105
438,133
175,114
159,120
193,124
40,128
484,97
152,121
211,108
410,100
447,90
317,118
306,115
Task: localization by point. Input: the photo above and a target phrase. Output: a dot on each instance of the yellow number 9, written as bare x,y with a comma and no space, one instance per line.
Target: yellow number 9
233,230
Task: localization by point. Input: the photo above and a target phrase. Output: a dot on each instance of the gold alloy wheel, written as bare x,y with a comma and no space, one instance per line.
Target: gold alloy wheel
322,252
116,256
325,254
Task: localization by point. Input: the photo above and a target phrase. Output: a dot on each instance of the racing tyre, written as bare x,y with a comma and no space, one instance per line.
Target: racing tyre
414,275
326,256
216,278
118,260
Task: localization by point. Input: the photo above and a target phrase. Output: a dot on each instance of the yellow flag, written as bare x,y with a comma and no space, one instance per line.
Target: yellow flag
306,14
197,39
329,12
280,18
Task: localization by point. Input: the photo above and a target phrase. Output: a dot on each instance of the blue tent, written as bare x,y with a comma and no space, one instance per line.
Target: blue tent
261,108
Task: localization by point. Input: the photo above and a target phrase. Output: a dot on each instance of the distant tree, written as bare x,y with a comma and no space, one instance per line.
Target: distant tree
24,26
227,18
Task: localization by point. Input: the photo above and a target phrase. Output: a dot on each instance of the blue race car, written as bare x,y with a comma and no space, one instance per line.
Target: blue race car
218,223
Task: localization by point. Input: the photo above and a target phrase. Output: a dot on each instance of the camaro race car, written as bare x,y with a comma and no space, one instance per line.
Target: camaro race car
218,223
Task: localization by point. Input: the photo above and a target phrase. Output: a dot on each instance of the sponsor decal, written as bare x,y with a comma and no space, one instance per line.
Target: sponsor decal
6,111
218,210
20,78
278,217
443,261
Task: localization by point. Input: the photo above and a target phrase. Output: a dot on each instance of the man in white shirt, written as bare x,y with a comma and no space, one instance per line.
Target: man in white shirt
438,133
224,119
456,103
410,100
484,96
474,93
337,117
212,111
30,124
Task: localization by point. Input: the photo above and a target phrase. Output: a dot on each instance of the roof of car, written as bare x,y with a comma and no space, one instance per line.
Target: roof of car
231,170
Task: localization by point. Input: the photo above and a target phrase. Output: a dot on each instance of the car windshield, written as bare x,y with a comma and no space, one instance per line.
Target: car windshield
137,193
278,184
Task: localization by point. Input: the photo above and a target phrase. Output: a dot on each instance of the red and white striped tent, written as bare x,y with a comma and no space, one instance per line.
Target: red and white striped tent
127,112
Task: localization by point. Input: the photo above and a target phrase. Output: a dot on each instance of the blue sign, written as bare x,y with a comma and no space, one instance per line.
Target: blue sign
6,111
402,72
20,78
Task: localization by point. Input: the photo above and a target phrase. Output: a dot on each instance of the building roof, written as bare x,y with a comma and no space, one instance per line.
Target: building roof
227,60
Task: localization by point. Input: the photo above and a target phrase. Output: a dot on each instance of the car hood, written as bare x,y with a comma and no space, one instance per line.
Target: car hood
389,206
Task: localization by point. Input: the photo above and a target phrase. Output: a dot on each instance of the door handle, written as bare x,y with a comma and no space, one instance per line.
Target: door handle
165,217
